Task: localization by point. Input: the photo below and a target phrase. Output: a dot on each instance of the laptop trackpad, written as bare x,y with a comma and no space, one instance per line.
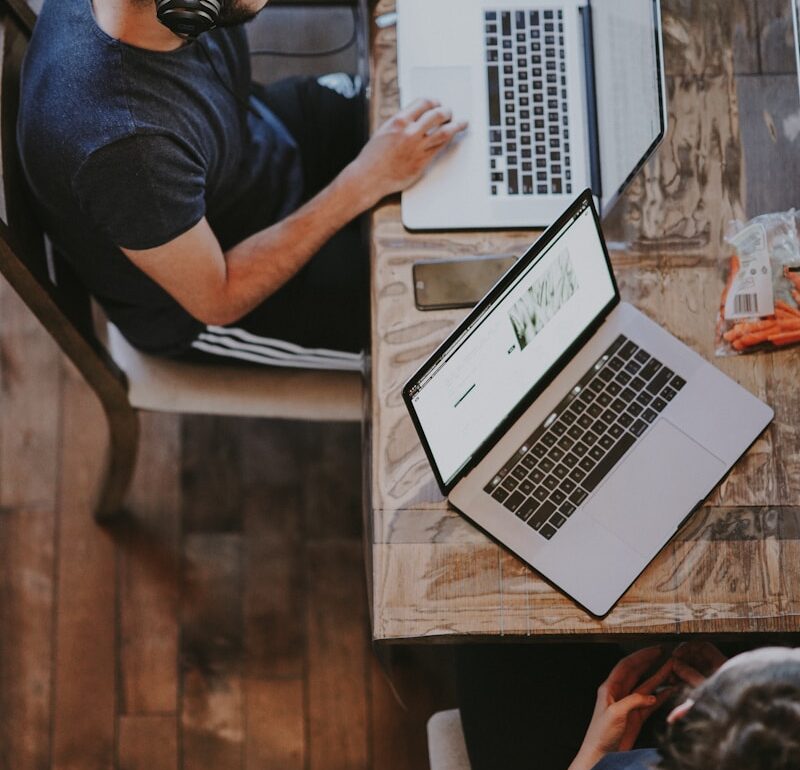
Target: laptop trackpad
449,85
647,496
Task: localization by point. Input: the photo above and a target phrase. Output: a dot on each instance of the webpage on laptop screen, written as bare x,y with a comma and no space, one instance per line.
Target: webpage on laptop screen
485,374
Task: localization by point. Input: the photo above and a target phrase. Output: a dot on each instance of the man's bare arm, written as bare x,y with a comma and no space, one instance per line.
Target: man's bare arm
219,288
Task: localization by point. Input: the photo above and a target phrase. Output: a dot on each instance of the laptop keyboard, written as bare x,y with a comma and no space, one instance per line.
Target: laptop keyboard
529,143
574,449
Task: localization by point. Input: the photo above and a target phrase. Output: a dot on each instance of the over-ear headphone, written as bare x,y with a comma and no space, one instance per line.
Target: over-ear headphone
188,18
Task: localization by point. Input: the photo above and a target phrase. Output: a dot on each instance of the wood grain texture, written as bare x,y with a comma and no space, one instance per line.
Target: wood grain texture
30,405
275,724
30,396
434,576
275,457
742,557
212,717
746,52
149,556
85,696
338,640
274,585
148,743
770,118
331,495
27,599
212,490
776,38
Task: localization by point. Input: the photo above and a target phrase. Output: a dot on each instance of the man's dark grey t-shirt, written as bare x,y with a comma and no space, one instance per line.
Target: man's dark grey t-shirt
130,148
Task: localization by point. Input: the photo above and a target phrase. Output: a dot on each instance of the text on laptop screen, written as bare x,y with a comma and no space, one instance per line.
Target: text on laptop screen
484,374
628,81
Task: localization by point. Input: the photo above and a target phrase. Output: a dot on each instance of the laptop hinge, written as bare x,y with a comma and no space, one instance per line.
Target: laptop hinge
591,101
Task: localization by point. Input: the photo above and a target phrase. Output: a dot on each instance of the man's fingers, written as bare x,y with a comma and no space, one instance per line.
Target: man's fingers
633,702
444,135
687,673
630,669
657,679
432,119
662,696
418,108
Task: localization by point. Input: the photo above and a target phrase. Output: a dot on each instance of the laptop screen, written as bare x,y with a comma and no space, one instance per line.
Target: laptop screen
506,347
628,82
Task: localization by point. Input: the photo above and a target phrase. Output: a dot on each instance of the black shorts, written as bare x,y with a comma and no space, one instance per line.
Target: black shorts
320,318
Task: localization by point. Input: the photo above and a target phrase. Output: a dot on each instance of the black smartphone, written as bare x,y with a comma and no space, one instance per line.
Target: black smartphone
451,283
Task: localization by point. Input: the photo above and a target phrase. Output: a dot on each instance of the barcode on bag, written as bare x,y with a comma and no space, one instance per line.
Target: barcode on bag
745,303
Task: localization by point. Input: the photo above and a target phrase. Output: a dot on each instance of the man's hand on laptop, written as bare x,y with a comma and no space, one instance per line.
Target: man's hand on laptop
402,148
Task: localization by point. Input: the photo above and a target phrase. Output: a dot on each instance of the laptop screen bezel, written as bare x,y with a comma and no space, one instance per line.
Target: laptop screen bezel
585,200
607,200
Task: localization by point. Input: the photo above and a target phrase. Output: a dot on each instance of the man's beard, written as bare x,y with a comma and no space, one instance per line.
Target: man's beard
234,13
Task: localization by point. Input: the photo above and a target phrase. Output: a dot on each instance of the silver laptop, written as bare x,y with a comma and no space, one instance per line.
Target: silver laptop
569,426
559,96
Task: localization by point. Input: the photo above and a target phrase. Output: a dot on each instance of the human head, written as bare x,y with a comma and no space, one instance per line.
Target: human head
744,717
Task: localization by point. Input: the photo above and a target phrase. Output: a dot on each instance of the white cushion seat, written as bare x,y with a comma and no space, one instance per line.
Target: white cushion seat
163,385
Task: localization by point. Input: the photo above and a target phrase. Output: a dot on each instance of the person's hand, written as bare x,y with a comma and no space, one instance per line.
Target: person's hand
624,702
403,147
695,661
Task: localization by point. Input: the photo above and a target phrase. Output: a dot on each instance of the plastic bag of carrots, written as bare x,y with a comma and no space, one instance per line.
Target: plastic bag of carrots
760,305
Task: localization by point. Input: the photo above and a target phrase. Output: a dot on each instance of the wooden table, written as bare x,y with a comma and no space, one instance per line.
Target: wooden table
732,152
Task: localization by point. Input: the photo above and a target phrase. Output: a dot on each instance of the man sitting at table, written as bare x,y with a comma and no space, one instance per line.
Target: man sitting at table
528,707
207,215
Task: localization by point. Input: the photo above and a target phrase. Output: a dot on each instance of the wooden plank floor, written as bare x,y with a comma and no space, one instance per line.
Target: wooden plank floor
223,624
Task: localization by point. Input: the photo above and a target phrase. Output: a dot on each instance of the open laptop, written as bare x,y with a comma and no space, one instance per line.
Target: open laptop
569,426
559,96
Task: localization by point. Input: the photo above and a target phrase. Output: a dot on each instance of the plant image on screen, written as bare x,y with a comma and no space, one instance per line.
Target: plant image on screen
543,299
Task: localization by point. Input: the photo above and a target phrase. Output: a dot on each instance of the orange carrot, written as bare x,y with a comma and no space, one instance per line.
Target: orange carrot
732,272
786,338
756,338
744,328
796,295
734,333
786,308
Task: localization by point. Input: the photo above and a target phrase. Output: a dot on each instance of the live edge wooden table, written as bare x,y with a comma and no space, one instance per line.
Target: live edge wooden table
732,151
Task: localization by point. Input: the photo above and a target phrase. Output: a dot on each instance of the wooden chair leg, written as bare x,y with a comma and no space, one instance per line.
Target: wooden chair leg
123,426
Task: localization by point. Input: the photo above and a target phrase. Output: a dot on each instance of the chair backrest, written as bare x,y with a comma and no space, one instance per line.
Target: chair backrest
64,308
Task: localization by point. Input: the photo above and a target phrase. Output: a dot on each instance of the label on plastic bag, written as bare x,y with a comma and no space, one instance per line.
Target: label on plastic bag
751,292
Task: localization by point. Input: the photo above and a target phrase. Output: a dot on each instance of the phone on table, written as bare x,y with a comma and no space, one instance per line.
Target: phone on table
453,283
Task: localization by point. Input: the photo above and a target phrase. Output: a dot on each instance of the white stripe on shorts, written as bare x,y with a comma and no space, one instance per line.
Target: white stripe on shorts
230,342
